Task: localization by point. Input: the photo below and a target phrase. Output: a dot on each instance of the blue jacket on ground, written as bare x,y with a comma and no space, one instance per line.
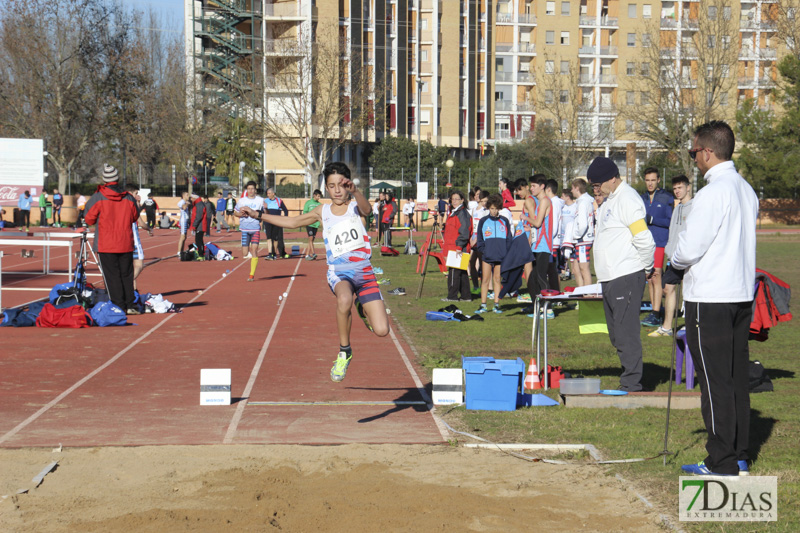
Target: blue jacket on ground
494,238
659,214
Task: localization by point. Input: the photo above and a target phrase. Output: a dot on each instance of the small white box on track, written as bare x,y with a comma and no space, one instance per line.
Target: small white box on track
215,386
448,388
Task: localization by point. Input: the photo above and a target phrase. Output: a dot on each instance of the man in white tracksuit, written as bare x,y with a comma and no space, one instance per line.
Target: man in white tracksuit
718,252
623,260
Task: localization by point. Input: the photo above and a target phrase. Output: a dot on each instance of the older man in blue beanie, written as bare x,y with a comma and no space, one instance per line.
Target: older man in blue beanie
623,260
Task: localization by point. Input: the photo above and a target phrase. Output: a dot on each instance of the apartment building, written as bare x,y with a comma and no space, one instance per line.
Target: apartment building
468,74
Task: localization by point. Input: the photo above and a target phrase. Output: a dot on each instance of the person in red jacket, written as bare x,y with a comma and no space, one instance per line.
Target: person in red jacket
114,211
505,192
200,223
387,215
457,232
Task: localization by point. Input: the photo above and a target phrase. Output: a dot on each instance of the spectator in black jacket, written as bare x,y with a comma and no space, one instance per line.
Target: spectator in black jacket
200,224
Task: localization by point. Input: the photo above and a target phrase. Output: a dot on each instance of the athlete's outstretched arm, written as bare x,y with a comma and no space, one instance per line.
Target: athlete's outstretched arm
287,222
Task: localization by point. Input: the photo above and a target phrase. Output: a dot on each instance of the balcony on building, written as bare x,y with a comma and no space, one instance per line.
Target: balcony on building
503,105
283,11
606,109
589,50
609,51
500,76
504,18
669,23
527,78
527,48
525,107
282,47
607,79
526,19
690,24
586,79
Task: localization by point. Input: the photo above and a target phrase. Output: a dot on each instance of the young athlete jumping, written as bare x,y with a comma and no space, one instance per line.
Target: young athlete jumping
347,247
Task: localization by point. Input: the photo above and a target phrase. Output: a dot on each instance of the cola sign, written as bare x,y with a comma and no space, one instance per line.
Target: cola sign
9,194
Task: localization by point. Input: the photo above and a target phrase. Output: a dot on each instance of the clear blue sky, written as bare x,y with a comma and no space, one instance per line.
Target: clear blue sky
171,9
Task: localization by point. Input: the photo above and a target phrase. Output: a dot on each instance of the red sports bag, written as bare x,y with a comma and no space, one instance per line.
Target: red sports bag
68,317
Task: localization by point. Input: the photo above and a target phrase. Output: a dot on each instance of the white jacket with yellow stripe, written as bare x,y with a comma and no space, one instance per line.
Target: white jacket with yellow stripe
623,244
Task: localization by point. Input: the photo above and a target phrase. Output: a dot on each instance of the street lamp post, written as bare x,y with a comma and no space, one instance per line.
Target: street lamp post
449,164
241,176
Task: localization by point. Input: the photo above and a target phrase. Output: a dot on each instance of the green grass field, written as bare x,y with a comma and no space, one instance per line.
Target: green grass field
619,434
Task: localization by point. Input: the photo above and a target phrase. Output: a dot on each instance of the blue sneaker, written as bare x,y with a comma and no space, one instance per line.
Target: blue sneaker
377,270
482,309
497,310
700,469
744,470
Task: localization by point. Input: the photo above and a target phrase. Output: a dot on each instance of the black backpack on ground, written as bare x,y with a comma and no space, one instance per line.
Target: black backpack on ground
759,380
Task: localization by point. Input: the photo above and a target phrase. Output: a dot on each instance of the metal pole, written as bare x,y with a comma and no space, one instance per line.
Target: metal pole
140,175
173,181
69,181
205,170
436,182
469,182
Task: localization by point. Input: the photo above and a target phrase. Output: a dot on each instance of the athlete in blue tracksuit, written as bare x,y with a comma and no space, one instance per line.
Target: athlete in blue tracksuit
494,239
658,204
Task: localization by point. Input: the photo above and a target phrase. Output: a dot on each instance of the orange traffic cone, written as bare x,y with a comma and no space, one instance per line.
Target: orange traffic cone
532,381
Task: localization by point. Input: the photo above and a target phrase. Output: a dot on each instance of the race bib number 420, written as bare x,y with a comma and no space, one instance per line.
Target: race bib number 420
346,236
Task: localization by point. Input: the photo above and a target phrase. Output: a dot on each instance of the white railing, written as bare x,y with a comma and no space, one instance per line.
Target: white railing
503,76
526,77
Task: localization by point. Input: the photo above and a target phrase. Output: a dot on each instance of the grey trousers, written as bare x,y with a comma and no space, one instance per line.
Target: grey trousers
622,299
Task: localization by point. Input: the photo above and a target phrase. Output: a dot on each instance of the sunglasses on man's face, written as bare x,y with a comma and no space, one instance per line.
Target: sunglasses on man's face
693,153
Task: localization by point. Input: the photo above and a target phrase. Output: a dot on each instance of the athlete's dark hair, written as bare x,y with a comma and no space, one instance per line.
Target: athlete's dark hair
565,192
253,183
495,200
552,185
539,179
336,167
503,180
651,170
453,193
484,194
520,183
680,179
717,136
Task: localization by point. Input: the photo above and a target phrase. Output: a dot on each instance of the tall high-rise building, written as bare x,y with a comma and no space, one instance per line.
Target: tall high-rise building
468,74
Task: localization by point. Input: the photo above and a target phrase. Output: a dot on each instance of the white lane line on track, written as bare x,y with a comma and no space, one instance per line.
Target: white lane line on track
22,425
237,416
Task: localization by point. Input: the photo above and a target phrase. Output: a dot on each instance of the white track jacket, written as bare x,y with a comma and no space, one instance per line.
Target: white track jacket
623,244
718,247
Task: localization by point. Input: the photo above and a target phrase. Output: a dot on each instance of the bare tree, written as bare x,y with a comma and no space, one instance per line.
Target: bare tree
575,125
60,62
683,83
316,100
786,18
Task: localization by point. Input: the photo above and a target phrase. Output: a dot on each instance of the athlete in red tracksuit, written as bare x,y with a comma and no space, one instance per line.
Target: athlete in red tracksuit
114,211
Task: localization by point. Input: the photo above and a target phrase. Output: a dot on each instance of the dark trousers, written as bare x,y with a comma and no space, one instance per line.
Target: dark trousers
622,299
118,274
538,278
717,334
198,242
475,264
275,234
458,283
24,217
151,219
552,273
387,233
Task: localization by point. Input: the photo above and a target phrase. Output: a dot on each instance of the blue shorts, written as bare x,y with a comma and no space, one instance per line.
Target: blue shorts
250,237
138,251
361,279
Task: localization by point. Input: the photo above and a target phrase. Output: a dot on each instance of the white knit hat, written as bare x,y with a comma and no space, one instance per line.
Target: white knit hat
110,174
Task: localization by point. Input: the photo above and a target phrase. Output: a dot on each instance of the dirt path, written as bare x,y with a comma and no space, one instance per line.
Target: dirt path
309,488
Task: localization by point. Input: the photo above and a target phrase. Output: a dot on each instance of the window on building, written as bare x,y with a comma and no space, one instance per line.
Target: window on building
712,12
644,98
498,95
646,40
642,126
565,37
424,87
647,11
550,37
628,126
645,69
710,72
425,116
549,67
725,40
564,9
630,98
723,99
632,11
548,96
709,97
565,67
712,41
726,12
423,55
725,70
563,96
631,69
564,125
631,40
550,8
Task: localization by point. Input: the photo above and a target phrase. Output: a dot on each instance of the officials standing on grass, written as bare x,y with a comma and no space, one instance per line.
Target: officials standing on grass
115,212
623,260
718,252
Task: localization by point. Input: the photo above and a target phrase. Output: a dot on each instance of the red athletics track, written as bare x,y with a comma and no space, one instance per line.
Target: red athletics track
140,385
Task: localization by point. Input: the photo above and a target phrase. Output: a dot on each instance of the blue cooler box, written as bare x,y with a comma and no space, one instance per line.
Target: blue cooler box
492,385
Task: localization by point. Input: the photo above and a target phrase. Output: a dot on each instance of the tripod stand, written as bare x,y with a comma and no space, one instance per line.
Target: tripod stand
83,259
435,236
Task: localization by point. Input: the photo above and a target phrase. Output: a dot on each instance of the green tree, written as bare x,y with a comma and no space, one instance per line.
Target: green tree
392,154
237,143
769,147
541,153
